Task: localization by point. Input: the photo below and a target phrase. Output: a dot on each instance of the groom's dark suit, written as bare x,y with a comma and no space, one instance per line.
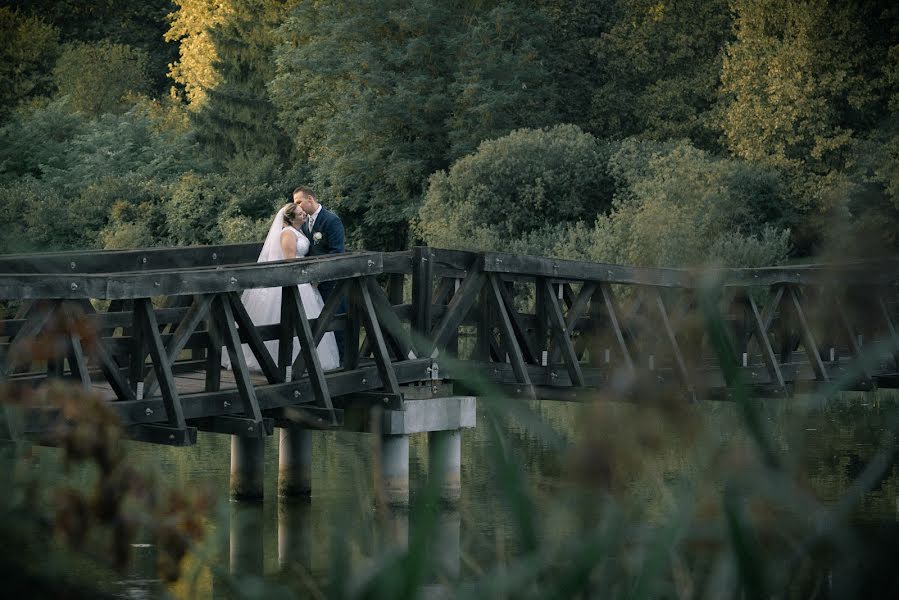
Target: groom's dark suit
327,237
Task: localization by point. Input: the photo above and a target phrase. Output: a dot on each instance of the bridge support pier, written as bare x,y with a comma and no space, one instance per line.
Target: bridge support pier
295,462
247,467
445,462
395,468
442,418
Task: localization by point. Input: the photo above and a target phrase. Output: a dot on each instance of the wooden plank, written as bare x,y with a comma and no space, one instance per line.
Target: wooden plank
326,316
191,281
557,325
176,343
891,329
422,294
309,350
77,362
854,346
872,273
286,337
541,327
576,308
254,342
352,333
764,344
459,306
299,392
485,344
389,320
525,343
373,330
672,341
109,367
109,261
396,286
808,339
445,290
150,330
307,417
163,434
225,323
213,353
612,310
397,262
232,425
34,324
453,263
511,346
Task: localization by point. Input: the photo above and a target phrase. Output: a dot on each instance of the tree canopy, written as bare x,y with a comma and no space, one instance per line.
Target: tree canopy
732,119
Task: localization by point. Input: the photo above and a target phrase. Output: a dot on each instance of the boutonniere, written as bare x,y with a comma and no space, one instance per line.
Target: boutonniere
317,237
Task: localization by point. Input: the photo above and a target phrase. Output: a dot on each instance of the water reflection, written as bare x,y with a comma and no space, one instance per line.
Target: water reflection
295,534
246,544
447,548
830,448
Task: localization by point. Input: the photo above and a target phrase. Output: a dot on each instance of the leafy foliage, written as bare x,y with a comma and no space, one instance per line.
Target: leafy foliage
237,118
28,47
190,27
678,206
659,66
802,87
516,186
97,77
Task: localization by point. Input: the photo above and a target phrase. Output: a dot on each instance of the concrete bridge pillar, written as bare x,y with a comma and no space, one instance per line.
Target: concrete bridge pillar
445,462
247,467
295,462
395,468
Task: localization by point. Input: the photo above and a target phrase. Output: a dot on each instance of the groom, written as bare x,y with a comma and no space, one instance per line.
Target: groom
326,236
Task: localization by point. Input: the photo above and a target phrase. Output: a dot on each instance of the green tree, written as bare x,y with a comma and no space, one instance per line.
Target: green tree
233,205
676,205
237,117
526,186
28,47
189,26
137,23
63,173
658,70
801,87
502,77
99,77
379,95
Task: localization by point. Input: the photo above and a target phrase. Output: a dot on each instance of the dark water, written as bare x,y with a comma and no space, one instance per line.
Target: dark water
279,541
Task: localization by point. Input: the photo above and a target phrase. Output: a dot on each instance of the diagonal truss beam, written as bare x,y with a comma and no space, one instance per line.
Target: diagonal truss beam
308,350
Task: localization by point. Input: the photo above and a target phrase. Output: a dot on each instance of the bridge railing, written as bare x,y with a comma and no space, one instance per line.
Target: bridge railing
134,324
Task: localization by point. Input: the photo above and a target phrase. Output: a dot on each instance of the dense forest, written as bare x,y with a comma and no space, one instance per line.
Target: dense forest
653,132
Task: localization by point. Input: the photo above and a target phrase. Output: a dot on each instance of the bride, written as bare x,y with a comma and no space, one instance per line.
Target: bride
285,241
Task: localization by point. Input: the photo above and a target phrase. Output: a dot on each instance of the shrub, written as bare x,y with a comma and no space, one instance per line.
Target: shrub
523,186
677,206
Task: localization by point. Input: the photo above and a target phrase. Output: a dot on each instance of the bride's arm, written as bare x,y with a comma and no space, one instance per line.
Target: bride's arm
288,244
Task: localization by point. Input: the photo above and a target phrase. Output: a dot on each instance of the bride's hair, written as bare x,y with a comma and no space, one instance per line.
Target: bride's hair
290,212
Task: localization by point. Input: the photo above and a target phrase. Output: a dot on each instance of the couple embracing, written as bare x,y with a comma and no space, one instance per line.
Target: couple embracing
301,228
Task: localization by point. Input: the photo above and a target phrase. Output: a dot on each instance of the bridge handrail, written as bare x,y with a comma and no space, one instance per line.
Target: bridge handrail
188,281
140,273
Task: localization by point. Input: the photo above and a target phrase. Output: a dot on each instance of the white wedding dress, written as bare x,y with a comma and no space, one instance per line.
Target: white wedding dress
264,304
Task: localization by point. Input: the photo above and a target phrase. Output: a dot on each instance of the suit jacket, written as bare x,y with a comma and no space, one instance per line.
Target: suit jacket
329,231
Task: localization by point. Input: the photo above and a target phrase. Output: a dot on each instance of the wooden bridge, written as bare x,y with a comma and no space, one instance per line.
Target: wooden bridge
146,329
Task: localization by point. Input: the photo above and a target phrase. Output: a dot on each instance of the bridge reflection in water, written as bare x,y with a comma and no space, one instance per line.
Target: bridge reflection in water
425,330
